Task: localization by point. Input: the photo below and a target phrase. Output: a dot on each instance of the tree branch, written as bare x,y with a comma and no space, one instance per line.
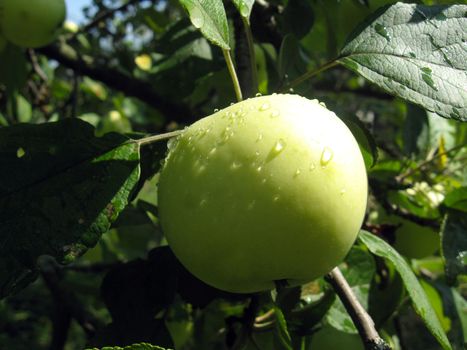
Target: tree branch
361,319
113,78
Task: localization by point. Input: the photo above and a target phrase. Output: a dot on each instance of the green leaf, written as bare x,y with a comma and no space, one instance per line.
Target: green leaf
244,7
62,190
282,339
210,18
415,52
419,299
456,199
454,244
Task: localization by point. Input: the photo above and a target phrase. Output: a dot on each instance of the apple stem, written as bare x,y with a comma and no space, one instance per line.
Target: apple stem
158,137
233,74
362,320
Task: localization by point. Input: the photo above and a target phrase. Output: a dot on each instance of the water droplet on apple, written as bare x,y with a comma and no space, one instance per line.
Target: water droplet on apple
275,114
279,146
264,107
258,94
235,165
323,104
342,192
326,156
312,166
259,168
297,172
276,198
260,137
212,151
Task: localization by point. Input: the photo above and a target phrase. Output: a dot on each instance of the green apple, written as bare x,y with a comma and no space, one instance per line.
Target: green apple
271,188
415,241
31,23
329,338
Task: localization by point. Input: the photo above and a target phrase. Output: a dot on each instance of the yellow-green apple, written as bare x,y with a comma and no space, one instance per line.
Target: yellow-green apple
271,188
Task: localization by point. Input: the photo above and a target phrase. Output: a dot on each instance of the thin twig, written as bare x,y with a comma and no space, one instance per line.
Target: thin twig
309,75
102,17
35,65
362,320
401,177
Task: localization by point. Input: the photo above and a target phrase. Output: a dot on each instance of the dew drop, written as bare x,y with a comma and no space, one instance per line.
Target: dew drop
264,107
258,94
172,143
257,153
203,202
235,165
323,104
20,152
276,198
326,156
279,146
260,137
381,30
342,192
275,114
297,172
216,110
258,169
212,151
263,181
312,166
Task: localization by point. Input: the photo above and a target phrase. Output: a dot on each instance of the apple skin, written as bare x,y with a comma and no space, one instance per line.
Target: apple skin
31,23
271,188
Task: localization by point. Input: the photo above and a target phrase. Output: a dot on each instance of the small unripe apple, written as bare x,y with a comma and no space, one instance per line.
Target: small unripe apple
271,188
31,23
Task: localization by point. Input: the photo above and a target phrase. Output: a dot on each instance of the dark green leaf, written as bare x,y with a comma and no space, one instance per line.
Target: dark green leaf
13,68
456,199
364,138
62,190
209,17
416,52
297,18
416,130
454,244
419,299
